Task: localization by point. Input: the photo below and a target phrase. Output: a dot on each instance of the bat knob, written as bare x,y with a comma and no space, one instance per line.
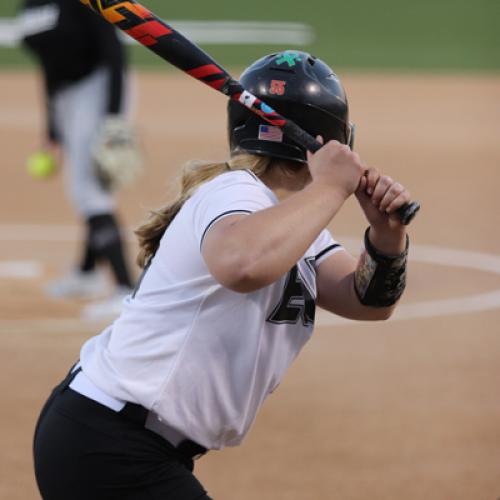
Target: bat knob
407,212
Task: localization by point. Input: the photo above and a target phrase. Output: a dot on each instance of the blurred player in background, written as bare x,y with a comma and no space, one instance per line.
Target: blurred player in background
83,64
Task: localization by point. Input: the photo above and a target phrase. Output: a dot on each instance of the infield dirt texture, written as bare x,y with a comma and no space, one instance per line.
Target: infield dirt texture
406,409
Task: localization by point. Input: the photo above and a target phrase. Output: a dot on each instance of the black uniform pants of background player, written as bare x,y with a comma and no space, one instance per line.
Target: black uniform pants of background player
86,451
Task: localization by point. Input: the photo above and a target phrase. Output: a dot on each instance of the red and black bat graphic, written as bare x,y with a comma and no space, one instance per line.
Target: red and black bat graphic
149,30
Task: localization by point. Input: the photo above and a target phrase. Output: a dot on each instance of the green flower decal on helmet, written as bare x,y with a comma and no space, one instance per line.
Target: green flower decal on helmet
290,58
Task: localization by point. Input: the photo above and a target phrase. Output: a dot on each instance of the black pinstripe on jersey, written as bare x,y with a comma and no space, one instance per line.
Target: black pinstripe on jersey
215,219
325,250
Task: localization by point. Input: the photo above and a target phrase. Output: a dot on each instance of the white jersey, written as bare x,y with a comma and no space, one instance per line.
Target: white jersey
200,356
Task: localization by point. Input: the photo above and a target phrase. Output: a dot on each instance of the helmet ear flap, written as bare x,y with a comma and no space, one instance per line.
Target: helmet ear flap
248,137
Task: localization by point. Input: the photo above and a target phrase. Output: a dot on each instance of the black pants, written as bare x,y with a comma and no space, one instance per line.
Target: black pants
85,451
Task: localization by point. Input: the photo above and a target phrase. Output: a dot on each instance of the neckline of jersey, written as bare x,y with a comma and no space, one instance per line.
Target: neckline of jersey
269,190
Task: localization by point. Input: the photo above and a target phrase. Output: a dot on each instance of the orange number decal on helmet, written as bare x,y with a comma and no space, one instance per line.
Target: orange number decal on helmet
277,87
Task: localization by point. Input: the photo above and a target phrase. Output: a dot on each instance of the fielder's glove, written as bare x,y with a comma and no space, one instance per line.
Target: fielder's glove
116,154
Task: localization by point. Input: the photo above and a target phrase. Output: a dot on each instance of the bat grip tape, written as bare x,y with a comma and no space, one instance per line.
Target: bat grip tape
301,137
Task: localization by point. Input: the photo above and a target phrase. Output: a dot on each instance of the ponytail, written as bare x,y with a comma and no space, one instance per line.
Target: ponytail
194,174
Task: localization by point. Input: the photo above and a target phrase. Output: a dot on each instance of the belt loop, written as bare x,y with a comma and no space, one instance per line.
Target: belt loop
69,377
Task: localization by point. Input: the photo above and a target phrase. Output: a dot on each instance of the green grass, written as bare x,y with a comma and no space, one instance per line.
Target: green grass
389,34
8,8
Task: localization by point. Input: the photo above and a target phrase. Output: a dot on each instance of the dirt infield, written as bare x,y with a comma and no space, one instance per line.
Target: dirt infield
406,409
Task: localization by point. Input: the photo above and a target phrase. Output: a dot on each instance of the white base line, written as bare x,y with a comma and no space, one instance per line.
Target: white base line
60,233
447,257
20,269
206,32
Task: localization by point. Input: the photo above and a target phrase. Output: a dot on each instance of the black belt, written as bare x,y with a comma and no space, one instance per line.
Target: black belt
138,414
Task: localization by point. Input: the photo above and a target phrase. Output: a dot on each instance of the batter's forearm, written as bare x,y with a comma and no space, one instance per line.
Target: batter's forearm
380,278
362,289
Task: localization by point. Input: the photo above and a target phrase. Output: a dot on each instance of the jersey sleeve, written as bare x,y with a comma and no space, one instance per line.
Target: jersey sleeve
229,194
325,246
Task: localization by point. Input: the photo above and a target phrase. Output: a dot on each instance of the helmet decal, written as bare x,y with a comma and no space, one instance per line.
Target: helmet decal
277,87
288,57
270,133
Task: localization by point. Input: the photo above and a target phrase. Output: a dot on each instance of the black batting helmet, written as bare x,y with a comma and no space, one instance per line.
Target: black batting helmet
301,88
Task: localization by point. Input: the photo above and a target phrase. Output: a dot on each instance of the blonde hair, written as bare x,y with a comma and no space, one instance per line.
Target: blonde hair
194,174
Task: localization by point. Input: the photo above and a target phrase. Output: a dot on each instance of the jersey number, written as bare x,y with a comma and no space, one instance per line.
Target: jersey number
296,302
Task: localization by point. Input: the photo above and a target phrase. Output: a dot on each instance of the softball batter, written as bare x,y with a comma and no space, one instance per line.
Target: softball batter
83,65
234,269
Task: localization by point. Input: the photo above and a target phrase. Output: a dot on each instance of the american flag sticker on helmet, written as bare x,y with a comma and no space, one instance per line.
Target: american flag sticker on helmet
270,133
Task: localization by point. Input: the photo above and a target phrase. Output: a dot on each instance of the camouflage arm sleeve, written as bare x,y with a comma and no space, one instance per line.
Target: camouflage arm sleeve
380,279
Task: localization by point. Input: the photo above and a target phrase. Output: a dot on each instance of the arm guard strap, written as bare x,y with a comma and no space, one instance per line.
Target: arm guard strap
380,279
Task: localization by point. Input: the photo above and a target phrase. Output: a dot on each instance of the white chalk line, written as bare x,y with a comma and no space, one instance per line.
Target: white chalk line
447,257
20,269
429,254
30,119
61,233
225,32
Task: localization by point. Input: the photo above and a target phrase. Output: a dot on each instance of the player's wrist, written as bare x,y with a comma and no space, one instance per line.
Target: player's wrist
388,241
329,190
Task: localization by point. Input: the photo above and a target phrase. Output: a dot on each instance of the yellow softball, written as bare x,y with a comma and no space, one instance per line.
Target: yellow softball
41,165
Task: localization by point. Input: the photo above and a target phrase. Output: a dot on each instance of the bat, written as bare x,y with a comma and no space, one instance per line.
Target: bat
166,42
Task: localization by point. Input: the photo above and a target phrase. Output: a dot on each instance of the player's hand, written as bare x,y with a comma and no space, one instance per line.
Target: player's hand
336,166
380,197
